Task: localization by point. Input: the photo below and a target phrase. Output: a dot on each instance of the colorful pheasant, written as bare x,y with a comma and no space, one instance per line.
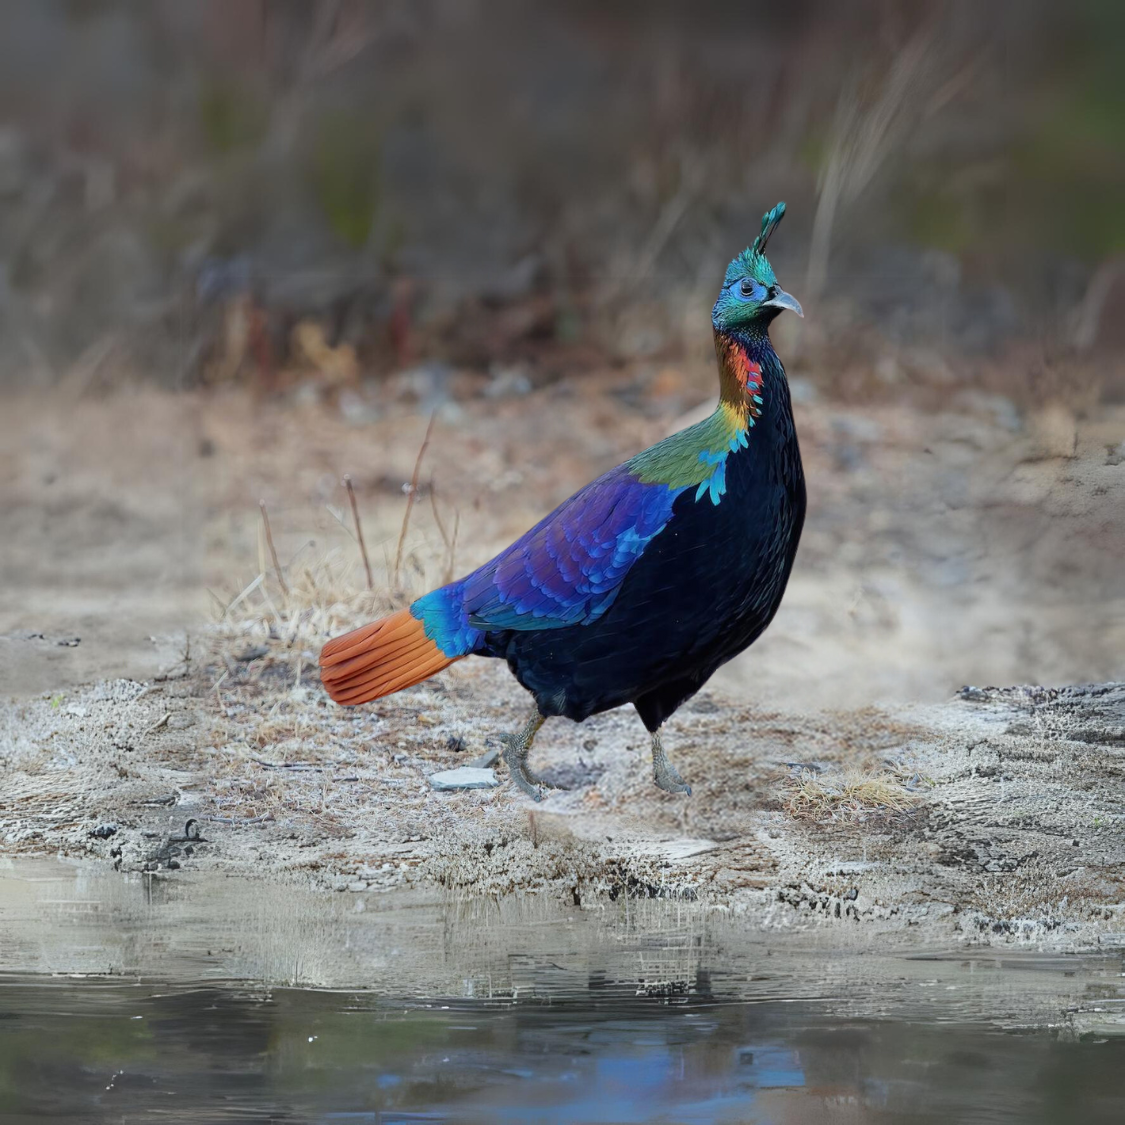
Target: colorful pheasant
644,582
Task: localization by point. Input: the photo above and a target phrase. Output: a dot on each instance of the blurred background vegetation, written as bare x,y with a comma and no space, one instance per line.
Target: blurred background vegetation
331,192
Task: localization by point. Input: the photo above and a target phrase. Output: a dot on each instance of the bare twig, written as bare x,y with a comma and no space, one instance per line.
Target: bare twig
410,497
237,822
359,531
450,543
437,515
273,550
287,765
453,546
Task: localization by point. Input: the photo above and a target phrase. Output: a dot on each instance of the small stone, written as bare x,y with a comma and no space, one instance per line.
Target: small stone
358,886
466,777
487,760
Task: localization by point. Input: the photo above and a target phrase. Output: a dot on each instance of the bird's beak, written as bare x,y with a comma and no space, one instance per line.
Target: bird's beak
783,300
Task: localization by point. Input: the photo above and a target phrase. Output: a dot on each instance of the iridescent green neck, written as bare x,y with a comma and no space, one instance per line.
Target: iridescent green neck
696,457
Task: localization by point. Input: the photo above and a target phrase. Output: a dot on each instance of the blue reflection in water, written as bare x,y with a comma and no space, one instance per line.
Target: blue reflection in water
771,1066
647,1081
108,1051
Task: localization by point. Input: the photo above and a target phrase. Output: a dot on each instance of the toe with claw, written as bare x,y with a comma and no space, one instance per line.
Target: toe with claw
516,749
665,774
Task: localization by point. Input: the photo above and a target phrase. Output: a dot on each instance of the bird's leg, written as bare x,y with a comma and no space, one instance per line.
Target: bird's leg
516,748
663,772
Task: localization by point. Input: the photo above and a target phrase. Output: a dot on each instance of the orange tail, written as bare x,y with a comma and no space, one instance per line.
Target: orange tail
379,659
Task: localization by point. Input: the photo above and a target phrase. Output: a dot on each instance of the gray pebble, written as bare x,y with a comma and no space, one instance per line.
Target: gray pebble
466,777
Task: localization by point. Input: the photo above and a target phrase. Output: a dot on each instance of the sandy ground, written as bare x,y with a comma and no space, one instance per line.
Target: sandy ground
964,546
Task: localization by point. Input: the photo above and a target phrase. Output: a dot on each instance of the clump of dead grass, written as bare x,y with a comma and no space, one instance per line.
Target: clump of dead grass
278,752
321,597
852,795
308,601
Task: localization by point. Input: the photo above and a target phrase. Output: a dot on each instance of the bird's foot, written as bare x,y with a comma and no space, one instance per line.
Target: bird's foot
666,776
542,782
516,748
515,758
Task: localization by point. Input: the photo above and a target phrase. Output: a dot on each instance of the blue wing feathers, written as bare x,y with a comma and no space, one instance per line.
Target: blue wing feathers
565,571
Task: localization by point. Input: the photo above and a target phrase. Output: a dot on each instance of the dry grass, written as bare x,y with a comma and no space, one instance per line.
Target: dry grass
280,752
852,795
310,601
319,598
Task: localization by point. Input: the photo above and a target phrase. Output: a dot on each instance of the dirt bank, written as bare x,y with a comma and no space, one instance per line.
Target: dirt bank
994,818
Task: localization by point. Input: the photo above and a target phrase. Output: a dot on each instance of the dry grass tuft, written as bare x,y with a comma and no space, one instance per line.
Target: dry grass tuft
278,751
321,598
304,603
853,795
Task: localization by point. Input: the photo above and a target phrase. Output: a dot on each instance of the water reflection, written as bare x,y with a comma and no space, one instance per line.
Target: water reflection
105,1050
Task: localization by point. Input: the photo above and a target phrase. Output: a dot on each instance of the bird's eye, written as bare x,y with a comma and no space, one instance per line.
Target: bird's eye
746,288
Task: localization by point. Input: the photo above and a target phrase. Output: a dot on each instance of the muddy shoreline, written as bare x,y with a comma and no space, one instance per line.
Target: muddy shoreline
426,948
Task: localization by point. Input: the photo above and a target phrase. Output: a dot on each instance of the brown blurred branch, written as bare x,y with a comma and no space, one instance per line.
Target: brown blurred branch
410,498
273,550
359,531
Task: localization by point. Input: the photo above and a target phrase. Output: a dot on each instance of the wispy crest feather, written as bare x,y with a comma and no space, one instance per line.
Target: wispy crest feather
752,256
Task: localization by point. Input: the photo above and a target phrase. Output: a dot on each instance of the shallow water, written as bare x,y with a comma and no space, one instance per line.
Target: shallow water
193,1000
110,1050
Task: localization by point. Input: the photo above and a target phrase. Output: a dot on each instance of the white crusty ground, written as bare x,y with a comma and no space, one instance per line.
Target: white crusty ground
994,818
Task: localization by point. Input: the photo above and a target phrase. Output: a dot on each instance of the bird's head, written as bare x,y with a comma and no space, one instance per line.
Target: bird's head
750,295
